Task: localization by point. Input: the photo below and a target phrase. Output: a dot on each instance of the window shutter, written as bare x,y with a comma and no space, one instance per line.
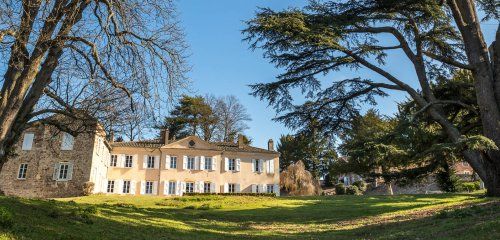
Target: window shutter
238,164
254,188
212,187
121,161
118,186
157,162
261,165
55,176
70,171
135,159
226,164
270,168
67,141
202,162
167,162
202,186
184,162
253,165
104,186
143,187
237,188
214,163
145,162
226,187
276,189
132,187
197,163
178,188
28,141
155,188
165,187
183,188
196,187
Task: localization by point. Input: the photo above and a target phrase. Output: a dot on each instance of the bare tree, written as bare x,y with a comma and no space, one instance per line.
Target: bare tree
232,117
93,56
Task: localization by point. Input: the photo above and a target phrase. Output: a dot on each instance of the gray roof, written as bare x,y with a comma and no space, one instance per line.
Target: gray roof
223,146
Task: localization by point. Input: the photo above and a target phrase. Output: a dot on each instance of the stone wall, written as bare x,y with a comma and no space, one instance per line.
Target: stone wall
41,160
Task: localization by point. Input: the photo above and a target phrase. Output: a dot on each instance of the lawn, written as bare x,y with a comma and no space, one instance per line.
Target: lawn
446,216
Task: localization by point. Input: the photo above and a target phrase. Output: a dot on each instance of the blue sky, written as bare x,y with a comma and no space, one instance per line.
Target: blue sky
222,64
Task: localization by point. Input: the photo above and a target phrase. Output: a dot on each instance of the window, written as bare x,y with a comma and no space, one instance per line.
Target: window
151,162
467,173
22,171
208,163
149,188
28,141
190,163
258,188
113,161
465,164
232,164
189,187
128,161
63,171
126,186
173,162
231,188
111,186
270,189
206,187
67,141
257,165
171,187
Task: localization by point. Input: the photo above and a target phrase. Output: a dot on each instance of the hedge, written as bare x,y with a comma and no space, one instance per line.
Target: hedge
232,194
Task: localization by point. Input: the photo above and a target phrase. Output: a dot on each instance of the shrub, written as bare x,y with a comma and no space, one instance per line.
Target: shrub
225,194
470,186
361,185
88,188
6,218
340,189
352,190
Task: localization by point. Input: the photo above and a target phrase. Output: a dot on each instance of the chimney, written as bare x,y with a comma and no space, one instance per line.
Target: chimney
240,141
164,134
111,137
270,145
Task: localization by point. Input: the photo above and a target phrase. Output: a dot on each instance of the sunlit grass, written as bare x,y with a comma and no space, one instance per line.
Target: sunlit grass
230,217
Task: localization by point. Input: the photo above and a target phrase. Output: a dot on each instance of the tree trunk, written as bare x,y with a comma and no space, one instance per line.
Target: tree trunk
486,83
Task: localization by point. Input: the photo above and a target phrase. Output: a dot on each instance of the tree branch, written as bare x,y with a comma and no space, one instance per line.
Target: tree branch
447,60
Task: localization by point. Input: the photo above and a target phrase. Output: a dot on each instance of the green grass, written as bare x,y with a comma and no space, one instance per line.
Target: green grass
447,216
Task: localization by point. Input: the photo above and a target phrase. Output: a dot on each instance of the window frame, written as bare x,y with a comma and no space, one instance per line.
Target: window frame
173,162
231,165
209,165
150,164
271,187
126,186
191,160
62,174
113,161
207,186
172,185
32,141
148,186
231,187
23,168
111,186
67,142
257,167
189,186
127,158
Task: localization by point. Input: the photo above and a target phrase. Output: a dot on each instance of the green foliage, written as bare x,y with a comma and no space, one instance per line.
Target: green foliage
329,181
340,189
362,186
447,180
232,194
314,151
470,186
352,190
6,218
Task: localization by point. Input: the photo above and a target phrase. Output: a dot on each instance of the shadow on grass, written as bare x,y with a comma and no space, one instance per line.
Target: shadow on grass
42,219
